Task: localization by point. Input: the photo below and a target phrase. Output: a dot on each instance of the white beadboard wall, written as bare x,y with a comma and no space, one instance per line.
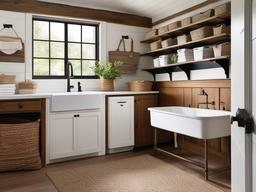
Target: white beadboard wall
217,73
109,39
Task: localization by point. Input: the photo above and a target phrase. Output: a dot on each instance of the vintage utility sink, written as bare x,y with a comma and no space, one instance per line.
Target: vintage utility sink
76,101
194,122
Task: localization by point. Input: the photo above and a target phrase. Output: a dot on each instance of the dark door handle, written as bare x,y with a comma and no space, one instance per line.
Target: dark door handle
243,119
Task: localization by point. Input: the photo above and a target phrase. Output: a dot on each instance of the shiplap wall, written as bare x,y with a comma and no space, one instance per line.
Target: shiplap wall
109,38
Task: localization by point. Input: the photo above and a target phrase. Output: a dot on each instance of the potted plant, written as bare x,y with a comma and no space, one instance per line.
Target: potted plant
108,73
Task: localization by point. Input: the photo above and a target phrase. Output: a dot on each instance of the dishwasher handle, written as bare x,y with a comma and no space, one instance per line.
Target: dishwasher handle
121,102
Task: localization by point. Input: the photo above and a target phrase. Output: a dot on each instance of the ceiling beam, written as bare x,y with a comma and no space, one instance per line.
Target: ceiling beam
38,7
185,11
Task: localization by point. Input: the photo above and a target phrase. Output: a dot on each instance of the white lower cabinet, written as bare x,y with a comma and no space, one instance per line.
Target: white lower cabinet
74,133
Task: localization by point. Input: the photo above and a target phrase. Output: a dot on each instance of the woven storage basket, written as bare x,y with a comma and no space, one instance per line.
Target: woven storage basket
182,39
162,30
222,49
201,53
174,25
27,87
221,29
106,85
7,79
201,33
185,22
19,145
140,86
152,33
169,42
202,16
222,9
155,45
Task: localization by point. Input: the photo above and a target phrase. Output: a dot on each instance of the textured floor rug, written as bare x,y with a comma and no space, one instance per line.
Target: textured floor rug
143,173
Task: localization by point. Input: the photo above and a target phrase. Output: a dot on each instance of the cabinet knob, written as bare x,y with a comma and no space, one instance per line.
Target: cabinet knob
19,105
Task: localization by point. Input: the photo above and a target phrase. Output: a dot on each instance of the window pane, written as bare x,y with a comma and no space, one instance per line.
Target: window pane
41,30
41,67
89,51
41,49
74,50
57,31
57,67
74,33
57,50
87,67
76,67
88,34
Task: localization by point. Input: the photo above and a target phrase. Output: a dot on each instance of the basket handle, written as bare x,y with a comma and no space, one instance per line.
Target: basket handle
120,43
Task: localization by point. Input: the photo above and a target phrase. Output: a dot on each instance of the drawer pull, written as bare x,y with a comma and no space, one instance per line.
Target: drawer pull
121,102
19,105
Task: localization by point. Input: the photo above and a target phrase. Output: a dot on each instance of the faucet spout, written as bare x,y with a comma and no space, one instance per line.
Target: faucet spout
70,75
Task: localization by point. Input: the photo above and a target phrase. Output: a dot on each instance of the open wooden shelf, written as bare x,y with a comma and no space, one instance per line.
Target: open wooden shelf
218,62
214,20
191,44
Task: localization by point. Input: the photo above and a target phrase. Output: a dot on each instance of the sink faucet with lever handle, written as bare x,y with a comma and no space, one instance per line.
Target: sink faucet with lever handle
70,75
204,93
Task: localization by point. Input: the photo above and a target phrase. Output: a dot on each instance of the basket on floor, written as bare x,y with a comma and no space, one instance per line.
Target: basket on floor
19,145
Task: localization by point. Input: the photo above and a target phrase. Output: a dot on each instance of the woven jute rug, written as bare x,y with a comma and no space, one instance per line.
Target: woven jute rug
143,173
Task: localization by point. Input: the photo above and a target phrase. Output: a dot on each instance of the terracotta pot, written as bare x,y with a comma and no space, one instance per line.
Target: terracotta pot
107,85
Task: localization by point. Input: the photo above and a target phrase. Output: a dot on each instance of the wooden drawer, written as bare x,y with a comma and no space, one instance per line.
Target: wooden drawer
18,106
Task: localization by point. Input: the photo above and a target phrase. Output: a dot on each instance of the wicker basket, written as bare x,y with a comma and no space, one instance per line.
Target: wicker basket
221,29
162,30
185,22
19,146
182,39
155,45
201,33
174,25
201,53
223,9
140,86
7,79
202,16
152,33
223,49
168,42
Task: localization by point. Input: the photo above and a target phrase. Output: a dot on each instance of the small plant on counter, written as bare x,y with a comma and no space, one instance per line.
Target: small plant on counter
108,73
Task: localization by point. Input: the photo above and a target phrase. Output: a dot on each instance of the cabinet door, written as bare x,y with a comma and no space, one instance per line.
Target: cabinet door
144,133
87,132
120,122
62,130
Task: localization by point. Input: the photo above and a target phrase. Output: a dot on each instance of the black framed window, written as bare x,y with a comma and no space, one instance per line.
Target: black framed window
57,42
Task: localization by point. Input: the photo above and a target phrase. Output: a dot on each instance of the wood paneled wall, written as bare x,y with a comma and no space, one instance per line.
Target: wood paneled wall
187,93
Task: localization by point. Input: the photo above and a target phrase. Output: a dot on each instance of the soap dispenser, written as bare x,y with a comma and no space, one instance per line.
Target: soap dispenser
79,87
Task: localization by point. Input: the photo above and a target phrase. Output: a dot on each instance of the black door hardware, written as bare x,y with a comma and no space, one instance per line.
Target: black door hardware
244,119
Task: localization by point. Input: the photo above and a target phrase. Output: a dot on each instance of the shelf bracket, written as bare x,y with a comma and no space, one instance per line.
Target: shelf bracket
224,65
185,70
170,75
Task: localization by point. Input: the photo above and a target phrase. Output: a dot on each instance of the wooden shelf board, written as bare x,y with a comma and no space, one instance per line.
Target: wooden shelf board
190,62
187,67
205,41
181,30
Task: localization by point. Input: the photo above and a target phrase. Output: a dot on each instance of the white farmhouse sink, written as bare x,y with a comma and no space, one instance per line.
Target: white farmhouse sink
194,122
76,101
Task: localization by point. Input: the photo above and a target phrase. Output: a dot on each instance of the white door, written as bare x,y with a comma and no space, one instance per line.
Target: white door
87,132
62,130
120,122
241,97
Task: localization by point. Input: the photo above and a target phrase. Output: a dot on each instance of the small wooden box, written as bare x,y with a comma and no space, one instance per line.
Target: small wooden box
185,22
169,42
201,33
220,29
222,9
202,16
223,49
155,45
162,30
182,39
174,25
151,34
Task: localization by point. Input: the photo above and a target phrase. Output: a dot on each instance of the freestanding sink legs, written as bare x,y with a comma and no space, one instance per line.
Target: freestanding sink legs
204,166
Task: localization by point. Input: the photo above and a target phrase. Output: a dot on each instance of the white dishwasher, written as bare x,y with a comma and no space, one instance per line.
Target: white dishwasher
120,124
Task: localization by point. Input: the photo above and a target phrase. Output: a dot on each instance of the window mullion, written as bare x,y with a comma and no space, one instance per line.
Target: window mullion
66,50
